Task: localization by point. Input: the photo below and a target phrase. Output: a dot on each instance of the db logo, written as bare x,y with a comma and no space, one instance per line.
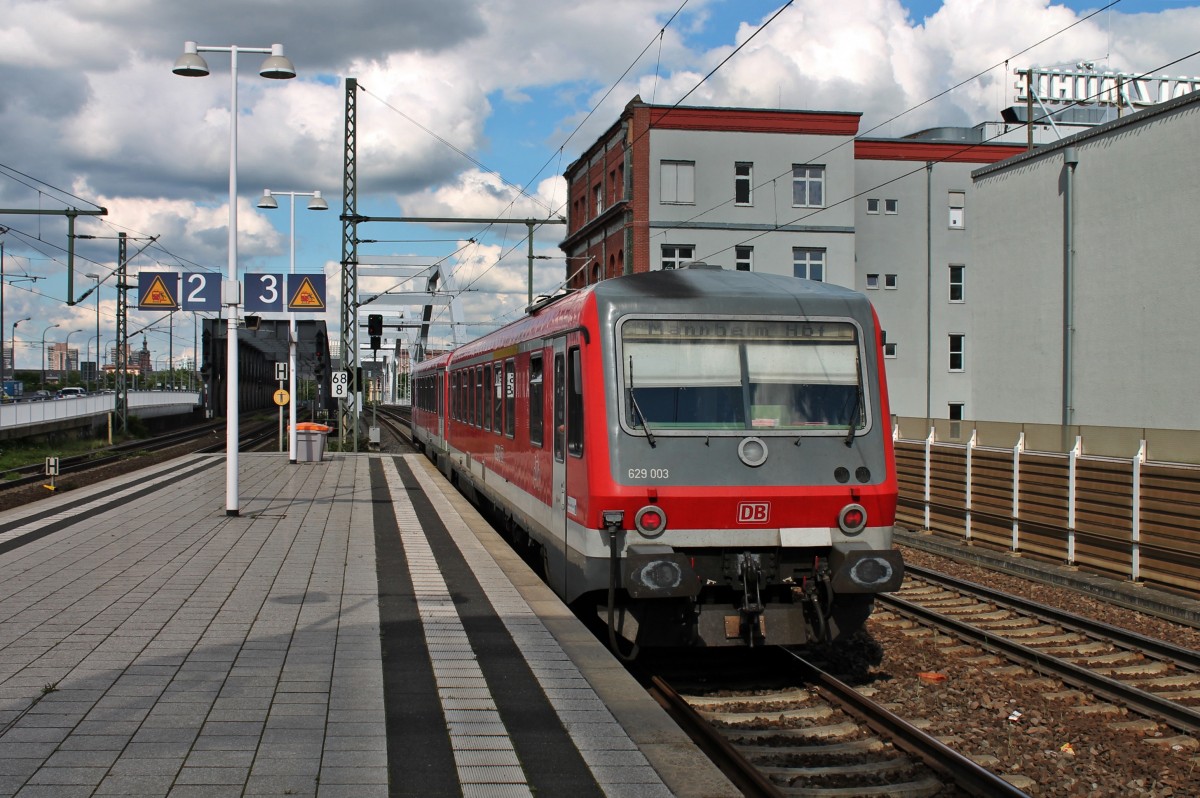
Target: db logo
754,512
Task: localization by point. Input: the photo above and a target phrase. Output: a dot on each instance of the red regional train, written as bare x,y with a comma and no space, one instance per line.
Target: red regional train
703,457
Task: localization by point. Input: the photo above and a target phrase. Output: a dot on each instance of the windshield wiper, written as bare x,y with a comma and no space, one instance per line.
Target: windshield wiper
858,395
641,415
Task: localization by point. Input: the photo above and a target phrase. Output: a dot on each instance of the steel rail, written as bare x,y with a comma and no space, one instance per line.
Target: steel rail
1170,712
1187,657
945,760
750,780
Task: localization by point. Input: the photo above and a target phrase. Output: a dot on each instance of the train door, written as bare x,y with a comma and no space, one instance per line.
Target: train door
441,409
555,551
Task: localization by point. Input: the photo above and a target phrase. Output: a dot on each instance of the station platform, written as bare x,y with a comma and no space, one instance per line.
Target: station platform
357,630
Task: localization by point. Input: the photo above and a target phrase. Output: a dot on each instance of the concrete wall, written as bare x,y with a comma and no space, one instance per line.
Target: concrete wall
1136,243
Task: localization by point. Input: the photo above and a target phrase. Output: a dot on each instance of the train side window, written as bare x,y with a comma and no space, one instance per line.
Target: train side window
510,397
537,412
479,396
560,412
474,406
498,398
487,402
454,394
575,404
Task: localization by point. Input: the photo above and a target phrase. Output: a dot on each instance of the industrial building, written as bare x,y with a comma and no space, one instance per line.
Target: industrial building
956,234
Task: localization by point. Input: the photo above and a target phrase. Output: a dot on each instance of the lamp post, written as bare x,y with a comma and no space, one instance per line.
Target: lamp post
96,277
95,338
4,230
48,329
317,203
113,350
14,347
278,67
67,354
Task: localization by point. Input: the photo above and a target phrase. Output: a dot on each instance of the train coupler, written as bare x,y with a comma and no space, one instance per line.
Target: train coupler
750,618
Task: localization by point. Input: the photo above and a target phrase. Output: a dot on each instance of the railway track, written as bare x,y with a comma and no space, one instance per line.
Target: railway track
1151,677
821,737
254,435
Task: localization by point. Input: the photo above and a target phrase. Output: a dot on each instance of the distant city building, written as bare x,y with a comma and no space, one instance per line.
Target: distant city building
60,359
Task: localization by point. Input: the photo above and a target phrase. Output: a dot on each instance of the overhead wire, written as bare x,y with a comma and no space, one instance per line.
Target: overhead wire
819,156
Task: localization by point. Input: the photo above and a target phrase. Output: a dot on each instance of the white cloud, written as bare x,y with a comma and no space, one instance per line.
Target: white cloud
90,103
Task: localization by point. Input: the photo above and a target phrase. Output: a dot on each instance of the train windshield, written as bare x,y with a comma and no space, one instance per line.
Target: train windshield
762,375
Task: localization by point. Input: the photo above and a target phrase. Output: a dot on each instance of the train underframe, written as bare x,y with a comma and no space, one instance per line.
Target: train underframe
660,597
752,597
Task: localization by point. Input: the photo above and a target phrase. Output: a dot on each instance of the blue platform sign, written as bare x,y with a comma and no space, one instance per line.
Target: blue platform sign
264,292
201,291
306,293
158,291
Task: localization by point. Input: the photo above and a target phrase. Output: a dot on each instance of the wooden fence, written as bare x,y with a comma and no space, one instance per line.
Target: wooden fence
1129,518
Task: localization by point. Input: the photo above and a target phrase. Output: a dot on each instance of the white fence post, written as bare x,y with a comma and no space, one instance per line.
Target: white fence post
1016,492
1135,551
928,475
971,444
1073,461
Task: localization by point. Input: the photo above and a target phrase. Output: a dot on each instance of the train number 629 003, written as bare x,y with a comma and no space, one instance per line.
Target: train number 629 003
649,473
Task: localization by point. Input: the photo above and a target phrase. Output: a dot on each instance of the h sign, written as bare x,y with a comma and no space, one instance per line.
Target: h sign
754,512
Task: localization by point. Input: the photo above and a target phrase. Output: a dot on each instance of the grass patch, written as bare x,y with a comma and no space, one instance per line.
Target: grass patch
30,451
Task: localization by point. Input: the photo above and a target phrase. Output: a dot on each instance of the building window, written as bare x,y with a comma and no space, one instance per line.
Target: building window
958,288
743,258
743,183
872,281
958,204
956,411
598,192
808,264
872,206
958,344
808,186
890,281
891,206
889,350
675,255
677,182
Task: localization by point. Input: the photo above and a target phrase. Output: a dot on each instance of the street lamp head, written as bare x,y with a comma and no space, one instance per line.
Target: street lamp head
269,202
318,203
92,276
277,66
191,64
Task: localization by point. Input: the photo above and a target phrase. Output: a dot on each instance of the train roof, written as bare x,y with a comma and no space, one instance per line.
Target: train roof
701,286
696,288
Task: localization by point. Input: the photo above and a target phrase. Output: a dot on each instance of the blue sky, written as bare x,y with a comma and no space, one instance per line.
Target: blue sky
90,107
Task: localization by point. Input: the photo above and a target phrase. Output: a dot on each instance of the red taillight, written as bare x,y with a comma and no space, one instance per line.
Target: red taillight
852,519
651,520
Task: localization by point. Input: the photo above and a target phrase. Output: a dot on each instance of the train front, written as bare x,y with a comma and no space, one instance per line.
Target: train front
753,488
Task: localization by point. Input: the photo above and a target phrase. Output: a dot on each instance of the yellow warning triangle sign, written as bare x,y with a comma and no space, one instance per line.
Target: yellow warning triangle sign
306,297
157,295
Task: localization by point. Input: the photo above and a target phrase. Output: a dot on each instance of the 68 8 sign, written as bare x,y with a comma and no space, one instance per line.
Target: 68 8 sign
340,381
